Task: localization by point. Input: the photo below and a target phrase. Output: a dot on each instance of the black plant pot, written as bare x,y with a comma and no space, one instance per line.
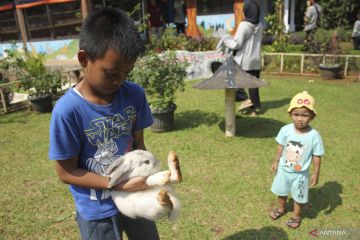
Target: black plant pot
331,71
163,119
41,103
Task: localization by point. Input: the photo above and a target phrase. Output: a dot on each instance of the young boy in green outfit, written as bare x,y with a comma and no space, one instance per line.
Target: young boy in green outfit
99,120
299,145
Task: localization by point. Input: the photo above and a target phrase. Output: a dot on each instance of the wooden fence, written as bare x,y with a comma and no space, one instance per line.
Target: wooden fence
344,59
20,101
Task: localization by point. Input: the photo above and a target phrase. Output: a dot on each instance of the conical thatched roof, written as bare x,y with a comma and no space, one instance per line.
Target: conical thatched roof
223,78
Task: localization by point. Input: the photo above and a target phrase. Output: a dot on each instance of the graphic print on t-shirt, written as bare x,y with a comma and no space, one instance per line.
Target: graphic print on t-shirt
103,157
293,154
103,133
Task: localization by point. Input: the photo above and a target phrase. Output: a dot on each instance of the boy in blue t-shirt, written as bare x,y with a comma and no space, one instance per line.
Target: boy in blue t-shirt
98,120
299,144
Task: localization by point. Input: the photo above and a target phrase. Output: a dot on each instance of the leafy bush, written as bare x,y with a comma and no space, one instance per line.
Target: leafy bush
276,28
338,14
161,75
297,38
170,40
31,71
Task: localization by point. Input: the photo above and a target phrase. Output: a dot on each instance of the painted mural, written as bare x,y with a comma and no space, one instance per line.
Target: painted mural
56,49
216,22
66,49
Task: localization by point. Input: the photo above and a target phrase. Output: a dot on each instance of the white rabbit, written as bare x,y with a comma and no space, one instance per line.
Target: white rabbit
154,203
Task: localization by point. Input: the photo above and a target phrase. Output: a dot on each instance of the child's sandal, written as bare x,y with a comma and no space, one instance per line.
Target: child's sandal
294,222
275,214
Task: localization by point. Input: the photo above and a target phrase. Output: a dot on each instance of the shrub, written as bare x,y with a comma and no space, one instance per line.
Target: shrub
170,40
31,71
161,75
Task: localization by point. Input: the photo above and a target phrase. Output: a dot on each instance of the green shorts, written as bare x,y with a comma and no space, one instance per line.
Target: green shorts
296,183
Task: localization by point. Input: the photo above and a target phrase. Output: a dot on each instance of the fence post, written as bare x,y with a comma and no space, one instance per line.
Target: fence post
302,64
3,99
346,65
281,62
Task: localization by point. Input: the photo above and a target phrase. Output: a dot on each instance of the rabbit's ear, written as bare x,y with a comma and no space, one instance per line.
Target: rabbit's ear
114,165
118,172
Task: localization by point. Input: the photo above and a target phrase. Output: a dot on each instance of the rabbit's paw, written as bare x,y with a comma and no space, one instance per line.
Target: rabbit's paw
174,166
158,179
164,199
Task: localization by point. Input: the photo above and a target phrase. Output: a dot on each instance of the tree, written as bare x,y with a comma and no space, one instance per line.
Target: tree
338,13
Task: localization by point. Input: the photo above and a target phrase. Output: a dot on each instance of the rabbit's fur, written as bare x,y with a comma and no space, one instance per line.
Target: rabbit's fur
154,203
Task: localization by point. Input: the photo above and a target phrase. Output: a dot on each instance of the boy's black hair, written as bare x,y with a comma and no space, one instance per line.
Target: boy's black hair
110,28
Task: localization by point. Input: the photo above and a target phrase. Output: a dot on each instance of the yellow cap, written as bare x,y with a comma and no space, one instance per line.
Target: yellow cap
303,99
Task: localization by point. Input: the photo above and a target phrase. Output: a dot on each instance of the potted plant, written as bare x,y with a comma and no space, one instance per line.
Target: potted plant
161,75
34,78
331,69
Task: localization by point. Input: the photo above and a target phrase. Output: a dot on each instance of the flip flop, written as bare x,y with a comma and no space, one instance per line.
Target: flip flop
275,214
294,222
245,105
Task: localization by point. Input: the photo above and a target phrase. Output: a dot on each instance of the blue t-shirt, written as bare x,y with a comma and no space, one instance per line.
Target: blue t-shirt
97,134
298,148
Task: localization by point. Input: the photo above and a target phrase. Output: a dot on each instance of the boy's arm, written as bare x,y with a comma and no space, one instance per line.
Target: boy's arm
315,177
69,173
139,139
275,164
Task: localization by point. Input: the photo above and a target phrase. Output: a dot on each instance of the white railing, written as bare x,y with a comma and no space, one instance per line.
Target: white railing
302,57
23,101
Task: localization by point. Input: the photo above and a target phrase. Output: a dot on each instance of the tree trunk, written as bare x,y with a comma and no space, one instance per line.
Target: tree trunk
192,30
239,14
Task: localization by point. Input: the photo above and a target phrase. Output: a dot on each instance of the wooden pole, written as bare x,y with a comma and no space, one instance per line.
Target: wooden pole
22,26
230,112
3,99
84,8
239,14
192,30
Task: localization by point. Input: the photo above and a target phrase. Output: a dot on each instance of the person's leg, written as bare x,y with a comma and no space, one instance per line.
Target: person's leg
281,188
178,27
357,43
306,42
312,45
295,221
297,210
101,229
300,194
280,210
241,95
182,28
282,203
255,97
140,228
254,94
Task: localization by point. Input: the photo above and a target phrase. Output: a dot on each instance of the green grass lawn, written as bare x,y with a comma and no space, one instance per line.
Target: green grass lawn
226,189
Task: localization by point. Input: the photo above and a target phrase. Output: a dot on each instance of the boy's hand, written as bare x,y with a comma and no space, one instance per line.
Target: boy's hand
274,166
158,179
314,179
